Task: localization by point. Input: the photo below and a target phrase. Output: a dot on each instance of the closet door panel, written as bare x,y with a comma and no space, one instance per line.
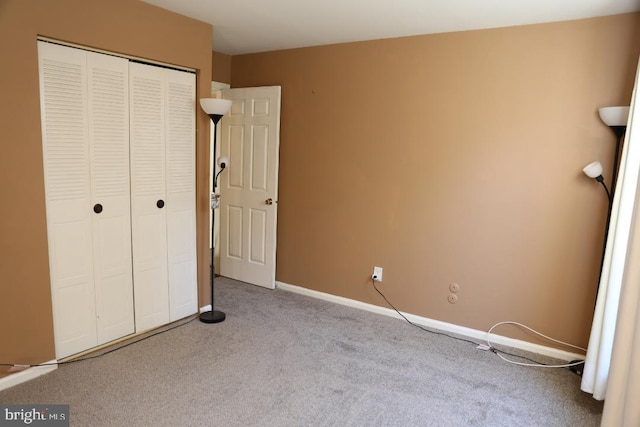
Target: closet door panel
181,195
148,195
63,97
110,193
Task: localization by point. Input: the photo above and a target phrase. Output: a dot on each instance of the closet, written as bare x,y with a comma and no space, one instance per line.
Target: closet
119,168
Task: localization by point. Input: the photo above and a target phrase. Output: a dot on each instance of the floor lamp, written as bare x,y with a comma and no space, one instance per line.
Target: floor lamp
215,108
616,119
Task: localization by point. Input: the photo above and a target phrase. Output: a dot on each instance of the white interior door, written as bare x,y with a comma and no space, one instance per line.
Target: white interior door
250,137
110,193
148,195
63,103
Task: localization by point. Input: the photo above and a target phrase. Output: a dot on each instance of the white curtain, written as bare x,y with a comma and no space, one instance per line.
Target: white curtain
622,407
615,324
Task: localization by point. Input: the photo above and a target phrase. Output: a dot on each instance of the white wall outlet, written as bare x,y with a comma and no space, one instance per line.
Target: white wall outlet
377,274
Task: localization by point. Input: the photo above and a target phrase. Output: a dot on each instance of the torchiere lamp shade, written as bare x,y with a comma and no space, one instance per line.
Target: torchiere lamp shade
215,107
614,116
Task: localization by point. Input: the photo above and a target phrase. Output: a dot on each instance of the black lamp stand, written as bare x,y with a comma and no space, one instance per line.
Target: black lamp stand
213,316
619,131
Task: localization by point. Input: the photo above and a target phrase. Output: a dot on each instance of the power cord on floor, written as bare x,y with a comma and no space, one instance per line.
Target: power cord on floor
498,352
535,364
82,359
420,326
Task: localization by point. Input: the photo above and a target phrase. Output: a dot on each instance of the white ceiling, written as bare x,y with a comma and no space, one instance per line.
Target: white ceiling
249,26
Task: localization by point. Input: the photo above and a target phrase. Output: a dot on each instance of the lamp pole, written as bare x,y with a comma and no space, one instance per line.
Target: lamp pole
619,131
213,316
215,109
616,118
606,227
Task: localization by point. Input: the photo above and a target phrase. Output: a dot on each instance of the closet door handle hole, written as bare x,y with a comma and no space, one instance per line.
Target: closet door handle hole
97,208
160,204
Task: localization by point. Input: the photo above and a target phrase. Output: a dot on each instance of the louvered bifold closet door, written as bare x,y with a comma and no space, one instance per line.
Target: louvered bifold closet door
84,106
181,193
110,193
63,97
148,195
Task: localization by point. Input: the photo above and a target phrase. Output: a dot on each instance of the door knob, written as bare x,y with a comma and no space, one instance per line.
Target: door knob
269,201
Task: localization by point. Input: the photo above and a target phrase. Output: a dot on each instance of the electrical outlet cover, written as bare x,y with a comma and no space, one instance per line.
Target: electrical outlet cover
377,272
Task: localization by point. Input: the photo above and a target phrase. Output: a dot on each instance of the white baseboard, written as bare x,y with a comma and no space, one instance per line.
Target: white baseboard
28,374
478,335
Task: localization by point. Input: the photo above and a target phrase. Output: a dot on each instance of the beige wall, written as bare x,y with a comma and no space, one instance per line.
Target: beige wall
123,26
451,158
221,67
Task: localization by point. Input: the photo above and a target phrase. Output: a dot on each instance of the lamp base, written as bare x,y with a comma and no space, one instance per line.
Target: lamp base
212,316
577,369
